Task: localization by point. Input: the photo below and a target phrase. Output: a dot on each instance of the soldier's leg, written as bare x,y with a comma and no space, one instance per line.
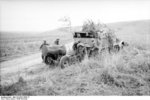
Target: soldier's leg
42,57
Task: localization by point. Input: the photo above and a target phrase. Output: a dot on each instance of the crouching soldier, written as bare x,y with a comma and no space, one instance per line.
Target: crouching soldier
120,45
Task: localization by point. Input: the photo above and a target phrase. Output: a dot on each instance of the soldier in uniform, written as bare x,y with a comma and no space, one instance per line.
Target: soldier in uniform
94,44
94,49
56,42
44,43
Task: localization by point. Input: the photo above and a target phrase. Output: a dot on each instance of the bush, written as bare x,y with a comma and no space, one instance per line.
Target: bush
105,34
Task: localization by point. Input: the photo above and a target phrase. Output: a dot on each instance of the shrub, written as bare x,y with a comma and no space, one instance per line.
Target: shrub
106,34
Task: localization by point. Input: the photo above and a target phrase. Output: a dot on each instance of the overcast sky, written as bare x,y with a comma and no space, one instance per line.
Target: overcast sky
44,15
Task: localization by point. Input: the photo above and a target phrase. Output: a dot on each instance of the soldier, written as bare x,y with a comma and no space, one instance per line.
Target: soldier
44,43
75,46
56,42
94,49
94,44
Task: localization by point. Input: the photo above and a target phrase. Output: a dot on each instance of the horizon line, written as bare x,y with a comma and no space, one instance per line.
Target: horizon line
35,32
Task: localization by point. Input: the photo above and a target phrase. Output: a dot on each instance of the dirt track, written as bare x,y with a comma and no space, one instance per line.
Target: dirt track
20,64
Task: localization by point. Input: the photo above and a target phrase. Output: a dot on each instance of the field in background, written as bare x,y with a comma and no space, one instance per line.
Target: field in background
123,73
136,33
17,44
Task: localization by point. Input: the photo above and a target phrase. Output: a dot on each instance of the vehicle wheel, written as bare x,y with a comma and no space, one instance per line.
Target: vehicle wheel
49,60
64,61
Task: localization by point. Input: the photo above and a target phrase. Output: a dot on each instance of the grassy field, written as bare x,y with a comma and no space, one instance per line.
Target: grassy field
13,45
123,73
18,44
137,33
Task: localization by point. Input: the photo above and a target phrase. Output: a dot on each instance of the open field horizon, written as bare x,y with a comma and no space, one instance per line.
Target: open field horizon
19,44
124,73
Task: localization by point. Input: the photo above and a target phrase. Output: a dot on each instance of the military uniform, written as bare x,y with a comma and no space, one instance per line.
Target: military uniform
43,50
56,42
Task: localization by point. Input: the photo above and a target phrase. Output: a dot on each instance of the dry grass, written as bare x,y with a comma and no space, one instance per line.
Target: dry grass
124,73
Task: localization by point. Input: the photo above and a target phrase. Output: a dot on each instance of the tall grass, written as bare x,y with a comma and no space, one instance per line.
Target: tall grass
123,73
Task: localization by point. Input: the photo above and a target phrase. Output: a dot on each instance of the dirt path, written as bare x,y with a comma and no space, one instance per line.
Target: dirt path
20,64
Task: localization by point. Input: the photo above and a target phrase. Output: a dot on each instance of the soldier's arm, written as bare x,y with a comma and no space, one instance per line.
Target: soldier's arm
41,46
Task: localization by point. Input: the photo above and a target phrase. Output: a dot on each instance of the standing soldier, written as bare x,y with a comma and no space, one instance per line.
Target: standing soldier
94,44
94,50
44,43
56,42
43,50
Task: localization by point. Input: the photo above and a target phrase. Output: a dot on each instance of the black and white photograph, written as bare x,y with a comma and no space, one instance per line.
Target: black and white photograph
74,48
